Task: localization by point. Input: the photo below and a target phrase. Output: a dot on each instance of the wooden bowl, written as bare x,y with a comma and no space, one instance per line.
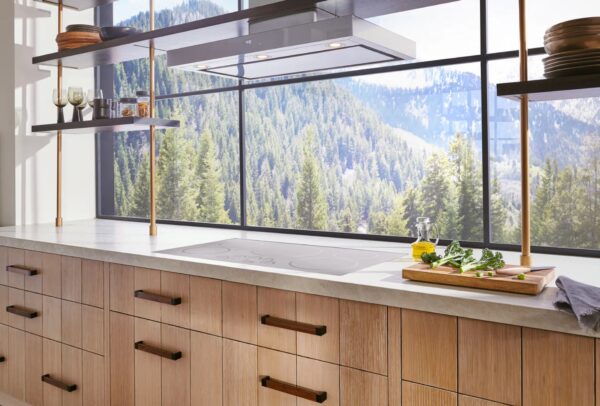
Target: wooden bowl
572,43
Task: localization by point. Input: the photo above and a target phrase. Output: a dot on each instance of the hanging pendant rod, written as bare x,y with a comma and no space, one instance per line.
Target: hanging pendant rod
525,203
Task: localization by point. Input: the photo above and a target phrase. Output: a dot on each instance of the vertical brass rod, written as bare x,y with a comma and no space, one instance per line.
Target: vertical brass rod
59,73
152,157
525,207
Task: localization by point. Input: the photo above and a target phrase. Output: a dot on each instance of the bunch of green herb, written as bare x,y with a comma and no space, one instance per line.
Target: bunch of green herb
463,259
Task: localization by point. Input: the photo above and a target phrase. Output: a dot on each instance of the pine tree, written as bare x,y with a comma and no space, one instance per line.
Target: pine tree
140,202
411,210
541,214
438,196
563,220
210,199
175,173
590,180
346,222
396,221
311,205
498,213
121,201
378,223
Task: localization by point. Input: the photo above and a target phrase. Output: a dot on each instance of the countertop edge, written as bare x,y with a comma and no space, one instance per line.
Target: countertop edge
524,316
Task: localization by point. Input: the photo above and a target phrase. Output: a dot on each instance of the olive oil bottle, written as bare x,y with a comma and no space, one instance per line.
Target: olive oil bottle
424,244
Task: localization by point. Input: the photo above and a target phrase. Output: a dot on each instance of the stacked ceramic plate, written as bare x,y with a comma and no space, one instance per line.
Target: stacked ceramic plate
77,36
574,48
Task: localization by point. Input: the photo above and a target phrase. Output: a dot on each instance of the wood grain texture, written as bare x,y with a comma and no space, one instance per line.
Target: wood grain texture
206,352
52,364
360,388
394,356
3,265
4,351
276,303
147,280
92,379
107,330
72,373
205,305
92,322
489,350
176,388
464,400
558,369
148,369
420,395
280,366
16,297
3,303
429,343
122,359
52,318
122,282
176,285
240,372
71,278
15,257
92,283
34,301
34,390
239,312
16,366
72,328
533,284
319,310
34,260
319,376
51,275
363,336
597,372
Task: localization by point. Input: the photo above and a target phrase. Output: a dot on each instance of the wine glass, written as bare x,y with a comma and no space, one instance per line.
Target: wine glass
94,94
60,102
80,108
76,98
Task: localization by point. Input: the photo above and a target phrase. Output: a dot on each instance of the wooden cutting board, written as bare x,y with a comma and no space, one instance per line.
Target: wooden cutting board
533,283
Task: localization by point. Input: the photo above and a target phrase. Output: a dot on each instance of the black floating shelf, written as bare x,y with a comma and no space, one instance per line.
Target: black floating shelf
212,29
572,87
78,4
108,125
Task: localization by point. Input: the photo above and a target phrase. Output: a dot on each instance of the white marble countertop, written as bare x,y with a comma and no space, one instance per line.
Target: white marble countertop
128,243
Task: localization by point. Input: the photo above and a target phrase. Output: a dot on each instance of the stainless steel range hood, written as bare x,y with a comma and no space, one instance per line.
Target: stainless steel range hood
310,41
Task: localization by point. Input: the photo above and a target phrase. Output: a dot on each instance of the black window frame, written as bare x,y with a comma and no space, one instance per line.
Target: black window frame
104,77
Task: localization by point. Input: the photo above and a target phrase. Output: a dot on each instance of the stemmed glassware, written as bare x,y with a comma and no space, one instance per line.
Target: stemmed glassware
60,103
92,95
76,98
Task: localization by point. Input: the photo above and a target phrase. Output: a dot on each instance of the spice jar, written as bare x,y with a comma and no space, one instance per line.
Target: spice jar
128,106
143,103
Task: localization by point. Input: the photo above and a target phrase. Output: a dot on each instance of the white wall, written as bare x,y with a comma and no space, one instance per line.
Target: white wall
31,158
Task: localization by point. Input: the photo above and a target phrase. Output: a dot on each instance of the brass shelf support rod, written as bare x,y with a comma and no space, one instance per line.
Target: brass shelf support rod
152,157
525,203
59,73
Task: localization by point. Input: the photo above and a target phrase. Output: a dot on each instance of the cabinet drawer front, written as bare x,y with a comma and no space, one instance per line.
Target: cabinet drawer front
319,311
206,305
278,305
206,369
239,374
176,288
122,286
279,366
420,395
359,388
92,283
240,321
14,257
148,281
71,279
321,377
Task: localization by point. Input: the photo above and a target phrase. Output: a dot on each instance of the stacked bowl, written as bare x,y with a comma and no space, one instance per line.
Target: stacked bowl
77,36
573,48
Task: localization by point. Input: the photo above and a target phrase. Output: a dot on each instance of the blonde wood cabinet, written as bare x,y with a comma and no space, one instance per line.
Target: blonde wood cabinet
240,366
240,321
464,400
359,388
420,395
558,369
597,372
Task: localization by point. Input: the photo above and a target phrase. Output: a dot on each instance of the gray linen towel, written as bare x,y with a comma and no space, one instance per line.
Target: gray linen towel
581,299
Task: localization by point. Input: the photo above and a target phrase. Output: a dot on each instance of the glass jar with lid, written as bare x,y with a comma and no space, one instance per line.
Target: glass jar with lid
143,103
128,106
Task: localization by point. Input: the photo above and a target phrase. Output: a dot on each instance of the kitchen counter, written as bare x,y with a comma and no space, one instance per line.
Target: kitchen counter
128,243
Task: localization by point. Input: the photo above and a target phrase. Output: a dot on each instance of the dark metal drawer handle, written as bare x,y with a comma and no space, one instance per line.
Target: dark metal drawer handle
21,311
23,270
2,358
61,385
304,393
174,301
293,325
157,351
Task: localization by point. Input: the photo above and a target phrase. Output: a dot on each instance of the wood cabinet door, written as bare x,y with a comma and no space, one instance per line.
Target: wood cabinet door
239,374
148,384
279,366
71,323
4,302
92,325
319,311
487,350
360,388
280,304
205,305
122,359
52,318
72,374
394,356
122,287
420,395
363,336
93,383
558,369
4,352
35,260
16,297
319,376
34,390
464,400
34,301
429,354
51,275
174,285
206,352
92,283
176,373
71,279
3,264
52,365
16,257
240,321
16,363
147,280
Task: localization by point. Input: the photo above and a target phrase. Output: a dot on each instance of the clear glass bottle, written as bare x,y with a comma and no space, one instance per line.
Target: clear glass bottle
128,106
425,233
143,103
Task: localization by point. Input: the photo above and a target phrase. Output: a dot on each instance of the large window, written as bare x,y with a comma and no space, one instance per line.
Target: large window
362,153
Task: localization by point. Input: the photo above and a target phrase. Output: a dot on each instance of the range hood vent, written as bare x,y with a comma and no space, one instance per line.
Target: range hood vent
317,41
